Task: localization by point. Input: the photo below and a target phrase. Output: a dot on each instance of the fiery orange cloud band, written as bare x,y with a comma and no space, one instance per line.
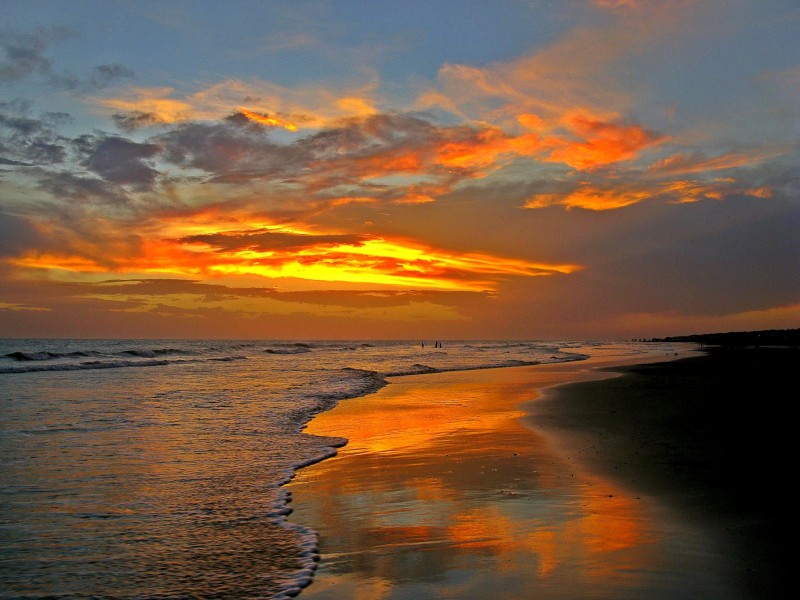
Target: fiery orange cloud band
373,262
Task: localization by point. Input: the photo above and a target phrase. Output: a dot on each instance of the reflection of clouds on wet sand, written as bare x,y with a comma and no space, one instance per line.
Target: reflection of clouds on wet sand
441,492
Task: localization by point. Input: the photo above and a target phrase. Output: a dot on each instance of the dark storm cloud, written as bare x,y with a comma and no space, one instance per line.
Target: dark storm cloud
265,241
119,160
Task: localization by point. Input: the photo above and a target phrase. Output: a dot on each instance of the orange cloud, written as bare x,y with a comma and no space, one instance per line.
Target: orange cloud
484,149
679,164
304,107
615,195
294,253
590,197
603,143
267,120
153,101
616,3
692,191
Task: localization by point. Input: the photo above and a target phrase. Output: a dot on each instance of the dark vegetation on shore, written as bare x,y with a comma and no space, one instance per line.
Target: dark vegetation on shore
766,337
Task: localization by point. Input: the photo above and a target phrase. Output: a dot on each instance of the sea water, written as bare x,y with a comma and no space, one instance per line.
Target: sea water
154,469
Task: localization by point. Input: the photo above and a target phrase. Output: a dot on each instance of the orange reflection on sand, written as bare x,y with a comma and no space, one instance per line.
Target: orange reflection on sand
444,478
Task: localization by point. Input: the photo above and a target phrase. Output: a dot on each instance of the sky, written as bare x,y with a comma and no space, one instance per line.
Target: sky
351,169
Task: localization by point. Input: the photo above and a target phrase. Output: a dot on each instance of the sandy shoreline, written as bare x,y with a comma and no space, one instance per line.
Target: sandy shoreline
449,488
709,435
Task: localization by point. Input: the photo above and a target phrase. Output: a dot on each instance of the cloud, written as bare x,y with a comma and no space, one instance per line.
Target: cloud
134,120
615,193
266,241
66,185
118,160
698,162
24,55
591,197
103,75
230,147
601,143
14,163
307,107
168,286
26,140
351,161
280,253
616,3
18,235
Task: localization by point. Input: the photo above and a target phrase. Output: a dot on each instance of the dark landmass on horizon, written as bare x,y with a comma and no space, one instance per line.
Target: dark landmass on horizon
765,337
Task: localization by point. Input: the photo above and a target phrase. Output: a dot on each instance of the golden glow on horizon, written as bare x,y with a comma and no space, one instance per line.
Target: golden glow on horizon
195,249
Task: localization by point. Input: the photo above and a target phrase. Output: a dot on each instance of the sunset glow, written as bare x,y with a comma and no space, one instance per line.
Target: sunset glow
465,161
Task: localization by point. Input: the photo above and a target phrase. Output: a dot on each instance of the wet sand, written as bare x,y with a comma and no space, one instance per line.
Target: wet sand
450,488
711,436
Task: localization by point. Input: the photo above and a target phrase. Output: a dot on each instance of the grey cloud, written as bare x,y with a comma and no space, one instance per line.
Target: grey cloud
25,139
229,148
13,163
119,160
370,134
238,149
103,75
132,121
69,186
270,240
17,235
148,287
23,54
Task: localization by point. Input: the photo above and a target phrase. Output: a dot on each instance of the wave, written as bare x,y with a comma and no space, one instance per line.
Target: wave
290,348
23,356
299,350
111,364
152,353
35,356
418,369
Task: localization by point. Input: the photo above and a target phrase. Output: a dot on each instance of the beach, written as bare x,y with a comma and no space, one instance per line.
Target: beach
558,481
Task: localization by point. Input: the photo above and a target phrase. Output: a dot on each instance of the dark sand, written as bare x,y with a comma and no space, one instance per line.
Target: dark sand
667,482
713,436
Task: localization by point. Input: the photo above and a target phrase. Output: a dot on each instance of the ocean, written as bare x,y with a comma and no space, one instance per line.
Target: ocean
155,468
